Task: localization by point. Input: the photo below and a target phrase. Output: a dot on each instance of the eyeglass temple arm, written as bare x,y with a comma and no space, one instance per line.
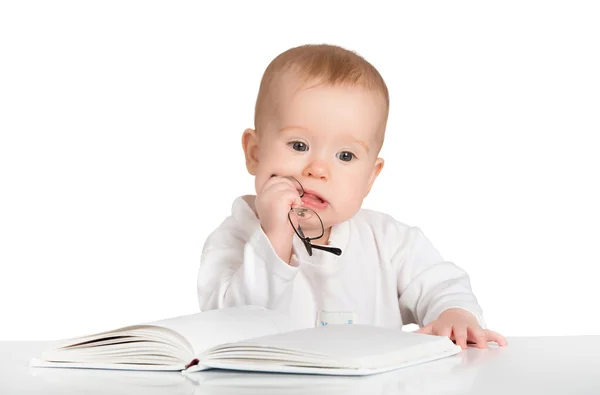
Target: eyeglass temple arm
333,250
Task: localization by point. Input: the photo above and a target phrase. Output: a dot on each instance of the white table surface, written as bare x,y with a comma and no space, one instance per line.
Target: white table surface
528,365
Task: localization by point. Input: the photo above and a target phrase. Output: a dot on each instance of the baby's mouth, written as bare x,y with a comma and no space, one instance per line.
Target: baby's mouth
312,200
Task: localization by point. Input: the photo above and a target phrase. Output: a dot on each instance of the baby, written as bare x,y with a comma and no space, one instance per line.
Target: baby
303,245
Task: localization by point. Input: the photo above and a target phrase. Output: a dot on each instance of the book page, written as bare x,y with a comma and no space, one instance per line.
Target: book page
340,346
214,327
445,376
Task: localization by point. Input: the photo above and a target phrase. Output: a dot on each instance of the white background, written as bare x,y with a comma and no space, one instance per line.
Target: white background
120,148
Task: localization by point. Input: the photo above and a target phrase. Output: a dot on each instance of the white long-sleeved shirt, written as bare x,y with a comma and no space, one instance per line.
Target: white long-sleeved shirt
389,273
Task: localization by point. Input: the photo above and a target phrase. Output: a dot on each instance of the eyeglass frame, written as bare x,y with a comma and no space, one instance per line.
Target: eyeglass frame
305,239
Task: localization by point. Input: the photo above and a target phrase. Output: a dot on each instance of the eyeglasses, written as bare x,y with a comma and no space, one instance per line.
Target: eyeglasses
306,221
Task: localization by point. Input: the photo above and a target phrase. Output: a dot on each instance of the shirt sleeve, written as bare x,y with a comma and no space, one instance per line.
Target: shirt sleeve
428,285
240,267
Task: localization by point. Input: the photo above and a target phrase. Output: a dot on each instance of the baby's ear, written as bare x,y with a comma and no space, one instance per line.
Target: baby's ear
376,170
250,147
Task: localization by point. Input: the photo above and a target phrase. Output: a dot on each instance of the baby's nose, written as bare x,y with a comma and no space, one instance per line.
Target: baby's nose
317,169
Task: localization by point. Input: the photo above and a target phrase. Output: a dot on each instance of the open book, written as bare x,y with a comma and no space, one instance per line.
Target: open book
248,338
446,376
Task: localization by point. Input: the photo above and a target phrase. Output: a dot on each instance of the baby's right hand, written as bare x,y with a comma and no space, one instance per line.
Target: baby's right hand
273,203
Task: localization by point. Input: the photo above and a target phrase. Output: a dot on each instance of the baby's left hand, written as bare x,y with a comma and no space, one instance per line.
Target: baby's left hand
462,327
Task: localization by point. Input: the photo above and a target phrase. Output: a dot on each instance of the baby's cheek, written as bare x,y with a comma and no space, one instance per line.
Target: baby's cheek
259,181
350,204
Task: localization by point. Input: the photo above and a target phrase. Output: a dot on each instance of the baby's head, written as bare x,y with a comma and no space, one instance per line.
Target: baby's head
320,117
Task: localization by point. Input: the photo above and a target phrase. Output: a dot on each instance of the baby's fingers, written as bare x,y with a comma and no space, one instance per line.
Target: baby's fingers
443,330
495,337
297,202
477,336
427,330
278,183
460,336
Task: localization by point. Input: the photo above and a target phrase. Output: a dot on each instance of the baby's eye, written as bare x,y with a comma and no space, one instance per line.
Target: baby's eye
345,156
299,146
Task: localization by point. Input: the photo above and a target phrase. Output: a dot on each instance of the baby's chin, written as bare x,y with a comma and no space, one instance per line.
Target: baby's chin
334,220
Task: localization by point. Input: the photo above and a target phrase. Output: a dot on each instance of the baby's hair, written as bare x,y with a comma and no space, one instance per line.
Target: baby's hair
326,64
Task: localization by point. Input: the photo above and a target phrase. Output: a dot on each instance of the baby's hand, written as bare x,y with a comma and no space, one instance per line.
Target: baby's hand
273,204
462,327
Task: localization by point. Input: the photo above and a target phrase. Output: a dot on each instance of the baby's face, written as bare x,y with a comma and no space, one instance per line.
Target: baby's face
328,138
